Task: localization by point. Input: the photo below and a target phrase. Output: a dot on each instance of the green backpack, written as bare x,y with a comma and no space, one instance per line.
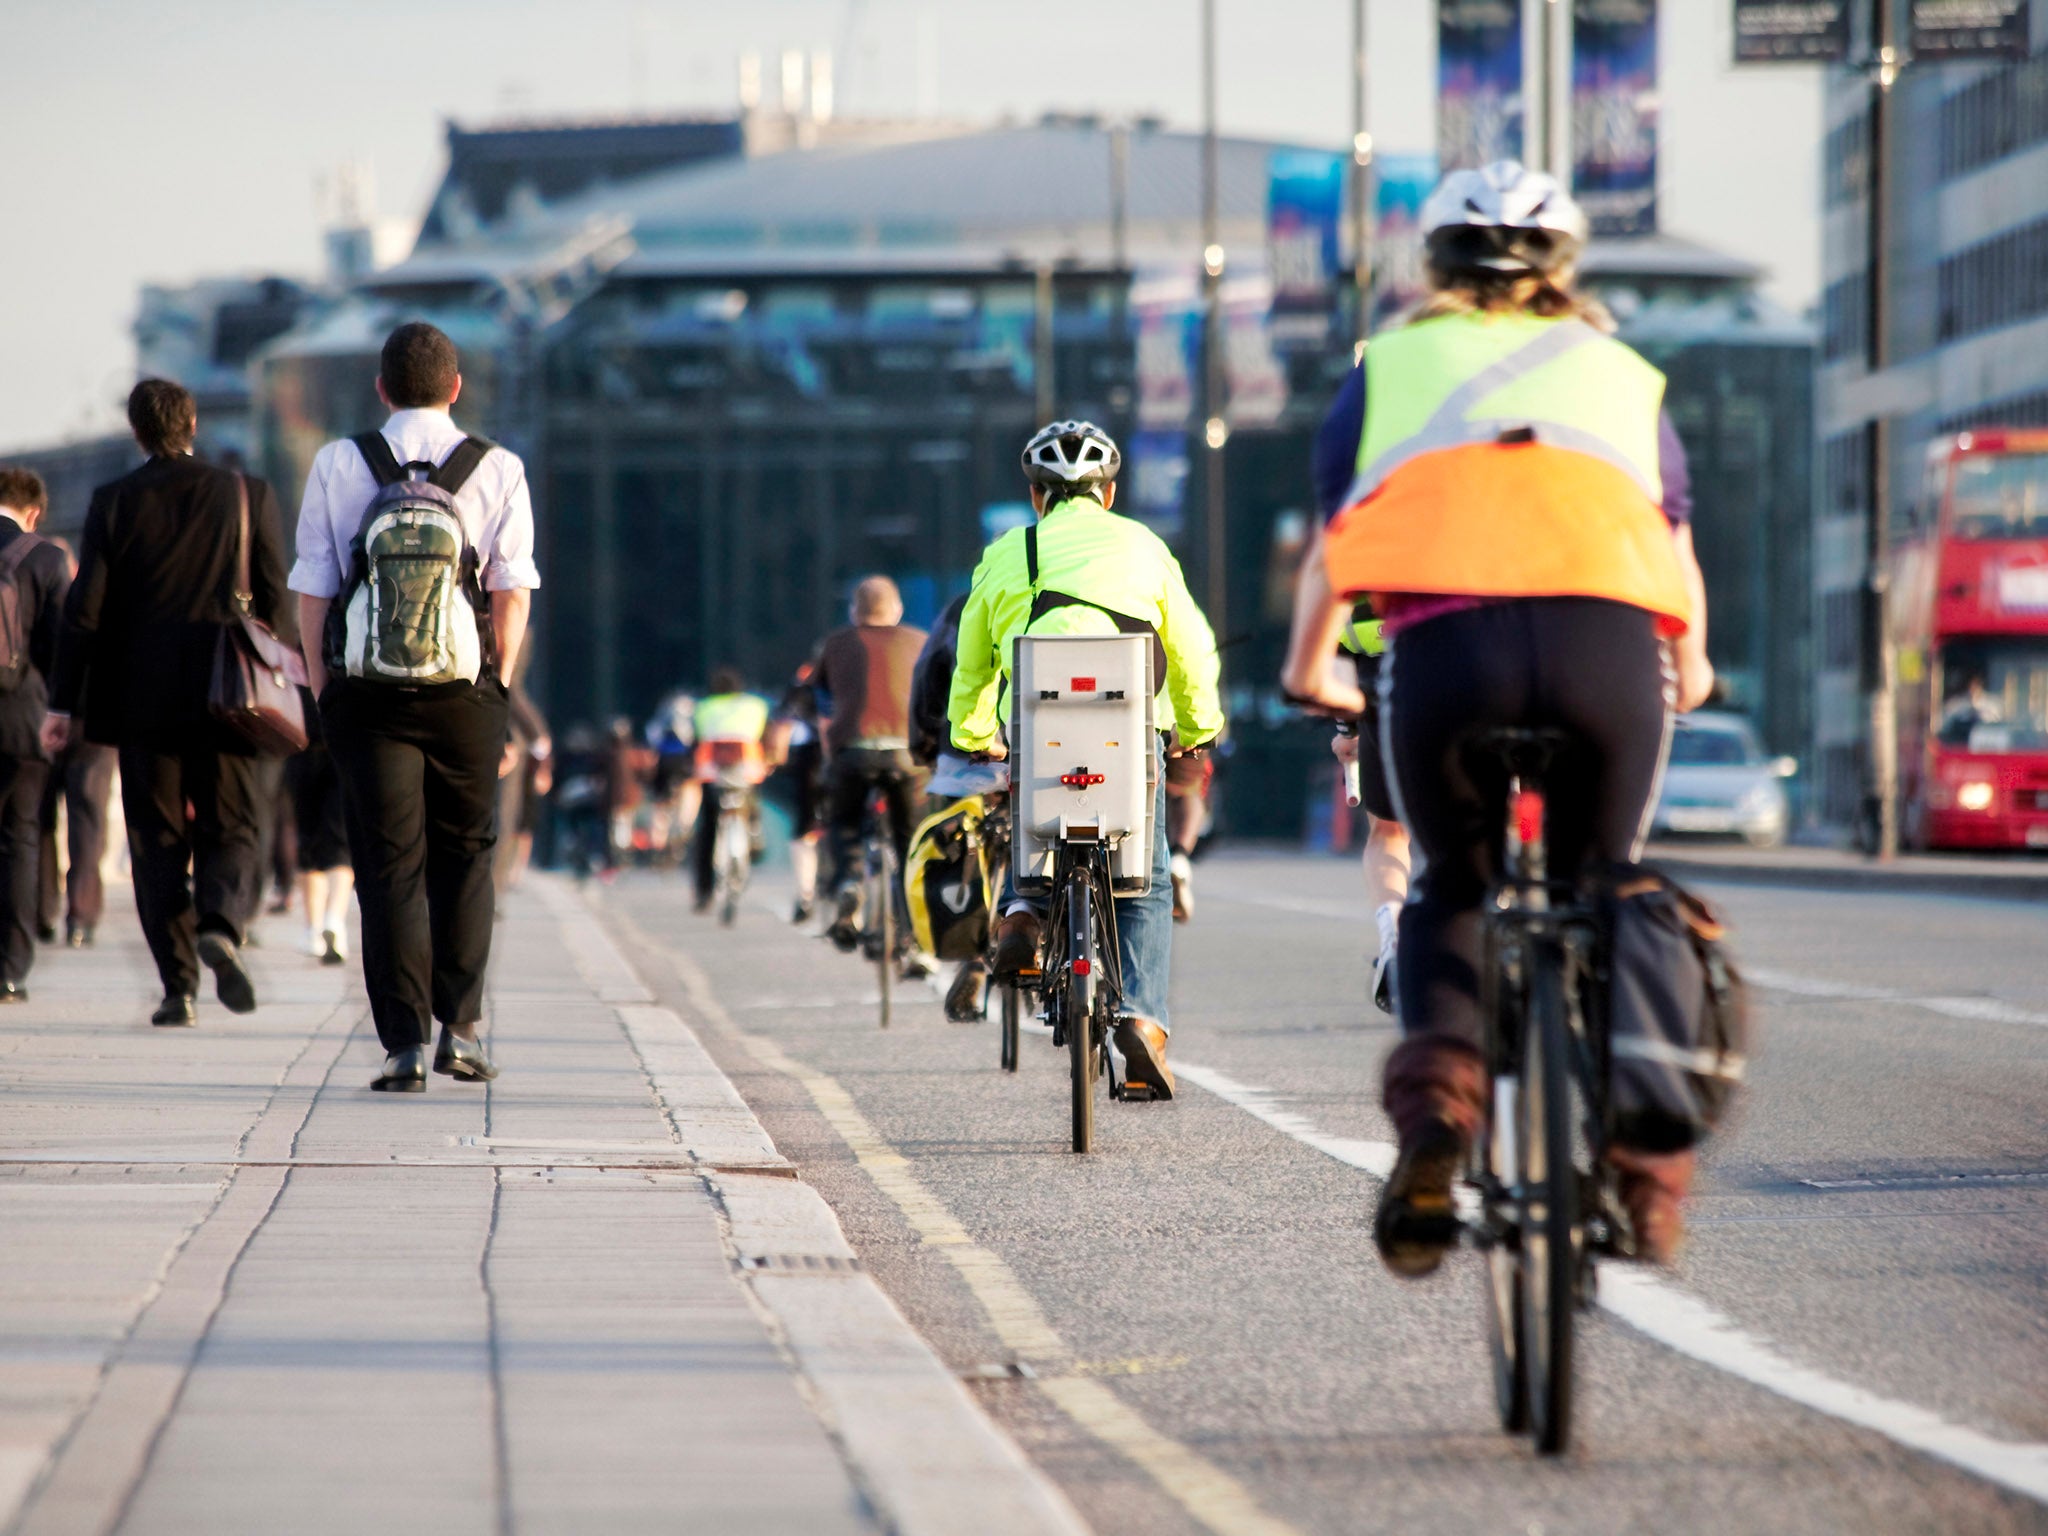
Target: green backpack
413,611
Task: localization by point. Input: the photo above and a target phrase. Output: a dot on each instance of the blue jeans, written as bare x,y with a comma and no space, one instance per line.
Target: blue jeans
1144,924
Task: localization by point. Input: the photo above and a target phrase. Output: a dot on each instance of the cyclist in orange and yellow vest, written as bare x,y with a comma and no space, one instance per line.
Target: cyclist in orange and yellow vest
1519,513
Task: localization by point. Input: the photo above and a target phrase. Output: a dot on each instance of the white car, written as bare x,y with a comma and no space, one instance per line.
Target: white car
1720,783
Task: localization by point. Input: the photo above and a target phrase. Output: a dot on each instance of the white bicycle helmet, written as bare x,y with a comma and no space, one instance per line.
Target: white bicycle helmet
1503,218
1071,456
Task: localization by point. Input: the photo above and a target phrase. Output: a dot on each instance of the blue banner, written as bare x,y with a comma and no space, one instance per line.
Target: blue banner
1614,114
1304,206
1404,184
1479,82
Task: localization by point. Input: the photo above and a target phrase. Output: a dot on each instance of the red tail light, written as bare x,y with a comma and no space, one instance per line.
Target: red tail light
1528,816
1083,967
1080,780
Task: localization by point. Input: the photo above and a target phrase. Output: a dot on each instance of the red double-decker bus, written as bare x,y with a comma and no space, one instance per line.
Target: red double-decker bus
1970,620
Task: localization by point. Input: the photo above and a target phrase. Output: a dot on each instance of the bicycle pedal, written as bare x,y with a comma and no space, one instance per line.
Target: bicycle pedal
1136,1093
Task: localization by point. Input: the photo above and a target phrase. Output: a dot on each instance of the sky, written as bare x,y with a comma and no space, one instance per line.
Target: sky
149,143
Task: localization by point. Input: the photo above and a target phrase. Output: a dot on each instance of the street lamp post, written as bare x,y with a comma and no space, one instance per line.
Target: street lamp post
1215,431
1361,177
1880,661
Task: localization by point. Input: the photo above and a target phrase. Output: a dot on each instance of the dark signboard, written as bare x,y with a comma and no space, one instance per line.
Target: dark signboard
1614,114
1967,29
1791,31
1479,82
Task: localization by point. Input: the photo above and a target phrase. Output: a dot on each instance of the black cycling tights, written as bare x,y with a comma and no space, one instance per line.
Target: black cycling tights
1590,667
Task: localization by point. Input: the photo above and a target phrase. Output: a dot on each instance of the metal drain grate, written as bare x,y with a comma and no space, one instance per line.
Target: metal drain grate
799,1264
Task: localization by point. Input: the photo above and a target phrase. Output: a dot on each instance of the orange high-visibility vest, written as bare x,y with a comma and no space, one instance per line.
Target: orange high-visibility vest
1509,456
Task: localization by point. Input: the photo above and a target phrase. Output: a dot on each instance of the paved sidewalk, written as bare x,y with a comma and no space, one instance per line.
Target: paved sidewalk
241,1293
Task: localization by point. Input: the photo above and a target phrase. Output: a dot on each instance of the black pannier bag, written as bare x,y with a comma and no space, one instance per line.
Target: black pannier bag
1678,1011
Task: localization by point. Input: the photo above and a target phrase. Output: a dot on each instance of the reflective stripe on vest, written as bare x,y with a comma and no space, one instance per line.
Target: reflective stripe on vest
1462,380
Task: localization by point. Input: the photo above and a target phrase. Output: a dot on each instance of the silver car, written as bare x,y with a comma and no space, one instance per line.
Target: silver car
1719,782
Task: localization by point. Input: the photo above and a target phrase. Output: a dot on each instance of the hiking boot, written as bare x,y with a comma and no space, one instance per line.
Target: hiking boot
1142,1044
967,997
1017,945
1417,1220
1653,1190
845,928
1183,887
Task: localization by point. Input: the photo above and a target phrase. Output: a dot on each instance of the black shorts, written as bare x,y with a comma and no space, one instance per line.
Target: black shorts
805,769
1373,792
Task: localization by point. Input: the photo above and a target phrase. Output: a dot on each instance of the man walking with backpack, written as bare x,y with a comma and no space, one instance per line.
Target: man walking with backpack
34,576
415,575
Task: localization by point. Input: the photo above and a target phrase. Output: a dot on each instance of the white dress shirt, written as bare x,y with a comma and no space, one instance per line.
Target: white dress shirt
495,508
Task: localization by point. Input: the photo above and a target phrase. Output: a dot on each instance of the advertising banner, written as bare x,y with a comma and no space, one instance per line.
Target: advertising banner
1404,184
1304,206
1614,114
1479,82
1967,29
1791,31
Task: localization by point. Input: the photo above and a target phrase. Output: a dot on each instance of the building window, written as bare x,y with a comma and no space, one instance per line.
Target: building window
1994,116
1845,161
2000,281
1845,473
2030,410
1845,318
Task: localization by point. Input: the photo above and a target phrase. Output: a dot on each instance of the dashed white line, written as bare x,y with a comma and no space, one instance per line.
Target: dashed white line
1680,1321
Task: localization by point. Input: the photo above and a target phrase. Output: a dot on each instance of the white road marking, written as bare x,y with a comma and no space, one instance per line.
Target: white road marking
1680,1321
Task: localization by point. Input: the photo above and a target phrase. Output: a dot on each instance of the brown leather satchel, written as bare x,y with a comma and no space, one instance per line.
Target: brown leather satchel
256,676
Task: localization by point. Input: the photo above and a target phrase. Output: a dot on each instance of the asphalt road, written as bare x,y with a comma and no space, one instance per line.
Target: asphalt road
1856,1339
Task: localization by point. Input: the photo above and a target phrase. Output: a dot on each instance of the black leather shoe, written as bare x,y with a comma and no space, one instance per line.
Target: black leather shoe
13,992
404,1072
175,1011
464,1059
79,936
47,932
231,981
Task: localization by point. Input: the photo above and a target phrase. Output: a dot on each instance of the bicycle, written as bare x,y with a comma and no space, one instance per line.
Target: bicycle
732,847
1546,1203
992,848
879,888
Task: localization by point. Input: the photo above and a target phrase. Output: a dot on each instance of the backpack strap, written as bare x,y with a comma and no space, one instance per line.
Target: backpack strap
19,548
377,454
1031,555
454,473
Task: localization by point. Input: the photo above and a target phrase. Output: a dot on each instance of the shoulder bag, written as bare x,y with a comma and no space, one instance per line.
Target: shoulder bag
256,676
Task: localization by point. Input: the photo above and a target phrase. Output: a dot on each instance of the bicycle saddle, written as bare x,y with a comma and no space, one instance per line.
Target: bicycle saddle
1527,752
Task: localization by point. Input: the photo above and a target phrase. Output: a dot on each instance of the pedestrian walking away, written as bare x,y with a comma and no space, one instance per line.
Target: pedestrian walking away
415,573
34,577
157,573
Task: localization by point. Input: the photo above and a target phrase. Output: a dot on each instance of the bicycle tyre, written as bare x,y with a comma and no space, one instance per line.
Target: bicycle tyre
1507,1329
885,920
1078,984
1550,1215
1012,1007
733,857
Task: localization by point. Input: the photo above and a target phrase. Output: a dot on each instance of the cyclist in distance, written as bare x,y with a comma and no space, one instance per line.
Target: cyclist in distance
1097,574
861,680
793,742
1519,514
731,725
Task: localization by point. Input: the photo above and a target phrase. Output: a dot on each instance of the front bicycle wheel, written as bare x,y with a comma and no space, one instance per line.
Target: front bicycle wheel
1550,1203
1079,986
1013,1006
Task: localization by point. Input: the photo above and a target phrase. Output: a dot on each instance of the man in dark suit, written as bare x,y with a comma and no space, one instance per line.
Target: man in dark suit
156,569
79,782
39,574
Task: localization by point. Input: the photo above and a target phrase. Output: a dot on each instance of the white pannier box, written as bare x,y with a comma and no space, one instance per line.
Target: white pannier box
1083,754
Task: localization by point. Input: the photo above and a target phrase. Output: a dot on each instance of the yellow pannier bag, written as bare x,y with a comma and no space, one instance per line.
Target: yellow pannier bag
948,883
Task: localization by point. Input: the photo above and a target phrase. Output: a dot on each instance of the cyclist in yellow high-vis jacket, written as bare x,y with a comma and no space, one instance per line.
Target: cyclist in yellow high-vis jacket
1081,569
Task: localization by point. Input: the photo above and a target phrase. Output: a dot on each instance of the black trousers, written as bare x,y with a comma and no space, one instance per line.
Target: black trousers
201,872
79,780
704,839
21,853
1593,668
850,777
419,774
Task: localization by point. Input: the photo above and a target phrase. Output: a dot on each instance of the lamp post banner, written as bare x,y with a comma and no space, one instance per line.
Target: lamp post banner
1968,29
1405,182
1614,114
1304,205
1479,82
1791,31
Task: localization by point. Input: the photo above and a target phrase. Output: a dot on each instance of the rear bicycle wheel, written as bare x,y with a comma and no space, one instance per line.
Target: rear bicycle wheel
881,861
1012,1008
1506,1329
1078,985
734,857
1550,1205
